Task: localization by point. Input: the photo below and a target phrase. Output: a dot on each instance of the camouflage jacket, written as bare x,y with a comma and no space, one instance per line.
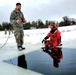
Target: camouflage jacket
15,15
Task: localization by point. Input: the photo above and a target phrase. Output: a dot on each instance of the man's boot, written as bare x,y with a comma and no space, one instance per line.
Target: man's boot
21,48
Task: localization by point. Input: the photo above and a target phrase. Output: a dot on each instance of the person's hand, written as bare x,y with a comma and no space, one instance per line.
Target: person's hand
43,40
25,21
18,21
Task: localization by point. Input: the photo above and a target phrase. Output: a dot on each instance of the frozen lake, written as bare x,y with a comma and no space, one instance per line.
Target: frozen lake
33,60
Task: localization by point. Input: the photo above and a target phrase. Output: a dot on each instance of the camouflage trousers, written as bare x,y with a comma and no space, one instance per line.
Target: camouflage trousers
19,34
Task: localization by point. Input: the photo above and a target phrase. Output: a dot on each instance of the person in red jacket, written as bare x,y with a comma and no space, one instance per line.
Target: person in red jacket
54,35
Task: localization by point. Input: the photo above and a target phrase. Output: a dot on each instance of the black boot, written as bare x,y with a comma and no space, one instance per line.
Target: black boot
59,44
43,48
20,48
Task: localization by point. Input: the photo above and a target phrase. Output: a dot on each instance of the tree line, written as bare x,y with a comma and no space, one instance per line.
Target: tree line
39,24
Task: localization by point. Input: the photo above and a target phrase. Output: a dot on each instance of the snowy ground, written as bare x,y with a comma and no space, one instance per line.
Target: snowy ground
32,42
36,36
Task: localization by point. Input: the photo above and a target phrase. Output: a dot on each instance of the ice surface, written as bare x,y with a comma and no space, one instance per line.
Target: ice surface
32,42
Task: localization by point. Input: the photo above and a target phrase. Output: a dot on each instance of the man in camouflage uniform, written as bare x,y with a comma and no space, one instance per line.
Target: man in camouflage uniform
17,19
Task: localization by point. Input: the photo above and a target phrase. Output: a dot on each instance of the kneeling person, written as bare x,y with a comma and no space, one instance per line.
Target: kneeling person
54,35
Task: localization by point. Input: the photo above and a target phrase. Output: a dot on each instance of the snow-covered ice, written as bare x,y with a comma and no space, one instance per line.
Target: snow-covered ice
32,42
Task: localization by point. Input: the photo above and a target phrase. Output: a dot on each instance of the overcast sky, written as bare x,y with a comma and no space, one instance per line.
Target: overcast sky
39,9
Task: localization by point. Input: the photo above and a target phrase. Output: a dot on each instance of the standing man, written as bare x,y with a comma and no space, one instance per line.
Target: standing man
17,19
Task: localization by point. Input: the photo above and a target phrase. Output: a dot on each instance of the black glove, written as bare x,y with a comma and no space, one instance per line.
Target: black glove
43,40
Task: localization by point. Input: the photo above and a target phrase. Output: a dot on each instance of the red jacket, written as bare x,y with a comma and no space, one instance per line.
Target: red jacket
57,34
54,37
